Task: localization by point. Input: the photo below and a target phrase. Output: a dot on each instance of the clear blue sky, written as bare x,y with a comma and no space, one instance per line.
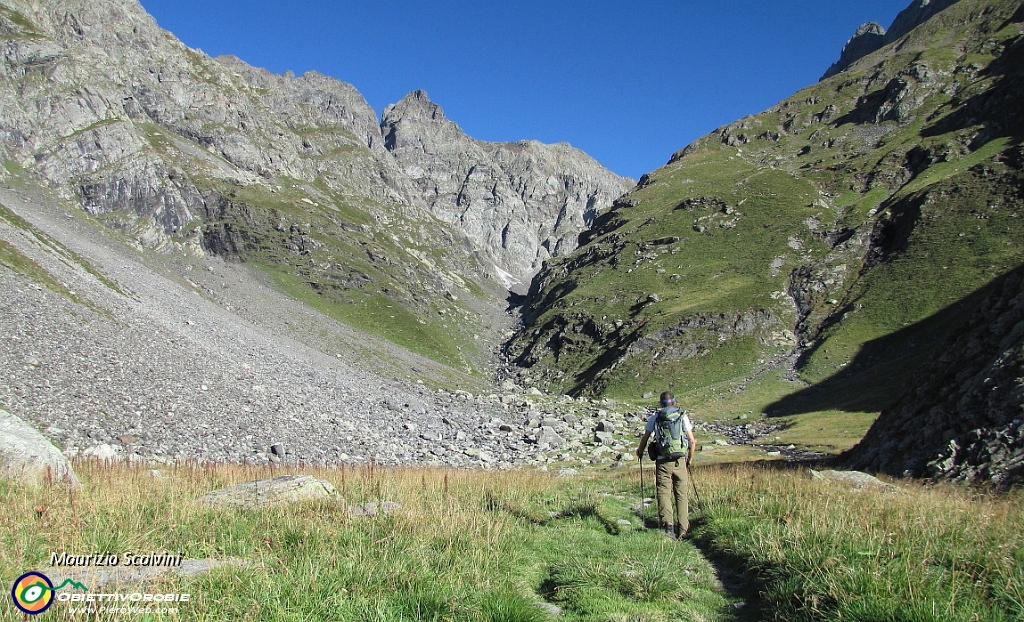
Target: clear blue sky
628,82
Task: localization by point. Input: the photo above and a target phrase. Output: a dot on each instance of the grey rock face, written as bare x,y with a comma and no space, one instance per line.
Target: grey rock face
26,455
868,37
119,116
521,202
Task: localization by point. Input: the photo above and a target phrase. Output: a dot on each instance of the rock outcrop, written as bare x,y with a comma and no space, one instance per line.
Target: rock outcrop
27,456
870,36
855,480
521,202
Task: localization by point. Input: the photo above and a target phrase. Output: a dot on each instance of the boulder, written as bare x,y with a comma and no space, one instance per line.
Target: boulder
547,437
104,451
26,455
855,479
396,403
281,490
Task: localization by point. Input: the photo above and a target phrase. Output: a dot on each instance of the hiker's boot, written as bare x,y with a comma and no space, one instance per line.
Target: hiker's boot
670,530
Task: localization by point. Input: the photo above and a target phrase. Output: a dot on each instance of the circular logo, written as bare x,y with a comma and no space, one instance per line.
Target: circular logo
32,593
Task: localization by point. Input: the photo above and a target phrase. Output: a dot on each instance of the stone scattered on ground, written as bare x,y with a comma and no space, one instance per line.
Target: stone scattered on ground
857,480
549,608
281,490
373,509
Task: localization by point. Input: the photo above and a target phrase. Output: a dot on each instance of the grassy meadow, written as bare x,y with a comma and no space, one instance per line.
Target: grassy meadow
769,543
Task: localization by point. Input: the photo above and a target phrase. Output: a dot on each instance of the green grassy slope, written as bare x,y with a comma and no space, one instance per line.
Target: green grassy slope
864,208
337,258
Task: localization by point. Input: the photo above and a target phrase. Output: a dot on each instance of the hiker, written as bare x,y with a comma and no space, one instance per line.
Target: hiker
672,452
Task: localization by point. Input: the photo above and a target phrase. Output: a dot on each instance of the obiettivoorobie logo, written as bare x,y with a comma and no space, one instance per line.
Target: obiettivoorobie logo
33,592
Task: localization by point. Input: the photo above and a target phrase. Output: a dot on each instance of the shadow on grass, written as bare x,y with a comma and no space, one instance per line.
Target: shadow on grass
582,510
743,584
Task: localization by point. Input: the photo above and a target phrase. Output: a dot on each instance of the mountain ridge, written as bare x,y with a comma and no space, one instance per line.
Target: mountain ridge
870,36
188,154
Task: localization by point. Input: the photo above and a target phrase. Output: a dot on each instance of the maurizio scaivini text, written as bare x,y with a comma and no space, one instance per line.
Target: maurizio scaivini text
128,558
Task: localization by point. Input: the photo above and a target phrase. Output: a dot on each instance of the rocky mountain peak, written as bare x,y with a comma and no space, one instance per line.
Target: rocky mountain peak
416,104
870,36
406,124
521,202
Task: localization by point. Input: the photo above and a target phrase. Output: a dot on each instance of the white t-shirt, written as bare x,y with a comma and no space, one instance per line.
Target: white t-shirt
653,421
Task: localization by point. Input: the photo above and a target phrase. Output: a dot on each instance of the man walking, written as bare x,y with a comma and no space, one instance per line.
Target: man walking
672,453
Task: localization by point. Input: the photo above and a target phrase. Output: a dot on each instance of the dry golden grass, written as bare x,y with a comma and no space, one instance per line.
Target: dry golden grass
485,545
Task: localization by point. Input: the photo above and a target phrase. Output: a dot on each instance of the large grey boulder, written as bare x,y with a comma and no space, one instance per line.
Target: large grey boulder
856,480
27,456
281,490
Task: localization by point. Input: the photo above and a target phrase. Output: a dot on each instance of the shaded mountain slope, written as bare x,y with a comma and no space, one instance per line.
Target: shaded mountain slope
963,415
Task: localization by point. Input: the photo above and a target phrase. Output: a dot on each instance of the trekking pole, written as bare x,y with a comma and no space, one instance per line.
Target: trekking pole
694,484
640,459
